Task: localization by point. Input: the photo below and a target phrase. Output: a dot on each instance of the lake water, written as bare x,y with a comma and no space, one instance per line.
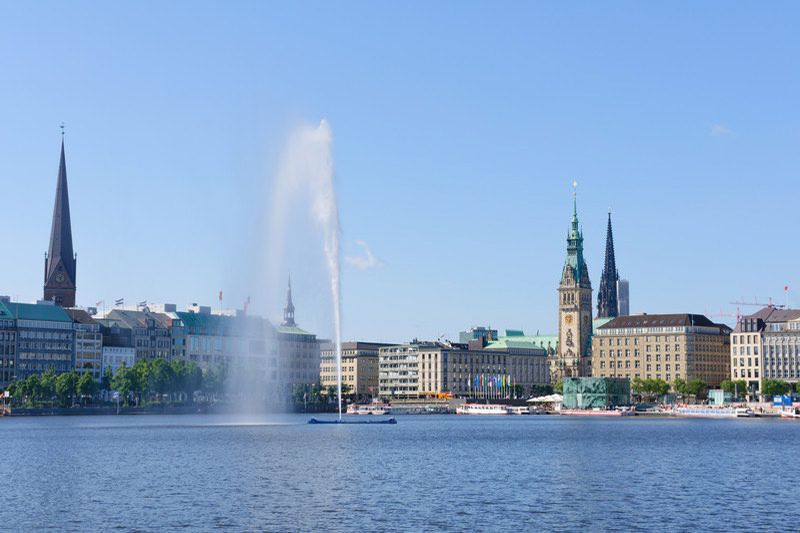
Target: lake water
427,473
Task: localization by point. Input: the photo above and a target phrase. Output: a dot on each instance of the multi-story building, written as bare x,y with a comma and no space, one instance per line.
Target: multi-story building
477,332
88,343
667,347
45,338
624,297
573,356
430,369
115,357
8,345
298,350
766,345
359,367
150,332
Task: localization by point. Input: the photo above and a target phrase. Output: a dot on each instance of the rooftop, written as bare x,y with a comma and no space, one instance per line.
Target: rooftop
653,321
51,313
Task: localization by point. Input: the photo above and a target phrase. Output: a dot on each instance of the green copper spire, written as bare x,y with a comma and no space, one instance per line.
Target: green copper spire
575,240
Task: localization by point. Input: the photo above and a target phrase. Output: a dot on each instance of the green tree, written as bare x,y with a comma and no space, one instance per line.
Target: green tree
558,386
697,388
87,387
105,382
66,387
45,386
124,382
679,386
775,387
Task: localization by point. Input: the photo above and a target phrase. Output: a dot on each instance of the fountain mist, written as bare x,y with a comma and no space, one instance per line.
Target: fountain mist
307,168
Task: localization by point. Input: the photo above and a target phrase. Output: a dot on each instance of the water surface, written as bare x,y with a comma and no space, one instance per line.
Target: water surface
430,473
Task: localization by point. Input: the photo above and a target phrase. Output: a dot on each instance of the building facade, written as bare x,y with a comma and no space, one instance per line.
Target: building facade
115,357
623,297
434,369
666,347
573,356
150,332
766,345
45,339
360,361
88,343
8,346
60,264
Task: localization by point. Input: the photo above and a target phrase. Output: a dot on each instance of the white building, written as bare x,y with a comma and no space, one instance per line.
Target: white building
116,356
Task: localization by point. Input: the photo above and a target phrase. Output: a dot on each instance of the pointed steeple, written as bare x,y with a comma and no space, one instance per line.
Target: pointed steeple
575,258
288,311
607,302
60,264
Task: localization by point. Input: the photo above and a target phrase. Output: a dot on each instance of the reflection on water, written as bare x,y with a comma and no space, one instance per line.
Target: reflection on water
425,473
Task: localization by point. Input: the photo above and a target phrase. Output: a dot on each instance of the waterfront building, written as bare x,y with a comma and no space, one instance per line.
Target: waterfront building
149,332
114,357
45,338
623,297
573,356
766,345
607,297
8,345
435,369
88,343
477,332
667,347
359,367
60,263
594,392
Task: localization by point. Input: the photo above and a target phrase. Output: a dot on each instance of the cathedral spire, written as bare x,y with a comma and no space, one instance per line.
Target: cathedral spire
607,304
60,264
288,311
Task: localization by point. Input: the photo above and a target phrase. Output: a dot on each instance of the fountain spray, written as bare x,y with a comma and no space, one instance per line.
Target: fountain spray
308,167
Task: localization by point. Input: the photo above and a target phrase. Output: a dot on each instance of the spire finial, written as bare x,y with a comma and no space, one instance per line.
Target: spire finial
62,130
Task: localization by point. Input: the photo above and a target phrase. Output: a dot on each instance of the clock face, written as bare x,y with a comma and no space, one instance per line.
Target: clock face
568,319
60,277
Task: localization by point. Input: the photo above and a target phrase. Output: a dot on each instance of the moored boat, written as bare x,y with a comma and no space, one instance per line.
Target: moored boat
791,413
481,409
369,409
744,412
598,412
518,410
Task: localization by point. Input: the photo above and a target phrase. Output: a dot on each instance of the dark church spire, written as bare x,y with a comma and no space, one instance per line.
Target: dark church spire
60,264
288,311
607,304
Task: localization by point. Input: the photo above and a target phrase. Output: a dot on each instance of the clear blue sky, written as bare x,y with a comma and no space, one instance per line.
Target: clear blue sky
458,129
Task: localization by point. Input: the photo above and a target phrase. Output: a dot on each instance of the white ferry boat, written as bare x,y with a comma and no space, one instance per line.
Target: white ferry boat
368,409
518,410
791,412
744,412
705,412
481,409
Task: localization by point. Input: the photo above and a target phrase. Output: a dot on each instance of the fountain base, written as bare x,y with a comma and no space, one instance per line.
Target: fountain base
318,421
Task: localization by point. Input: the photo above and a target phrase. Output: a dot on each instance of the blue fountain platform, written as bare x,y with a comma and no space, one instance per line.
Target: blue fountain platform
359,421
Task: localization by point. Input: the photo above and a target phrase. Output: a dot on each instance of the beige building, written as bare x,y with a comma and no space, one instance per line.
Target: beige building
766,345
664,347
359,367
434,369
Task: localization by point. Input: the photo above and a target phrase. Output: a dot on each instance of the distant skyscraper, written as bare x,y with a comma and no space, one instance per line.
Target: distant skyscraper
623,297
574,310
607,303
60,264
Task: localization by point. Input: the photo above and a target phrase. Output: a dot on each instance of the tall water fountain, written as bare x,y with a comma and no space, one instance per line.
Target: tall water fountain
307,169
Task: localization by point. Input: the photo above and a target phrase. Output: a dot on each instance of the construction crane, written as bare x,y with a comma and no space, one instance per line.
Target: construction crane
756,303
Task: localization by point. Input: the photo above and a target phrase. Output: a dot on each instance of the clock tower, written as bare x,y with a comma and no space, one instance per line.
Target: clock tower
573,357
60,262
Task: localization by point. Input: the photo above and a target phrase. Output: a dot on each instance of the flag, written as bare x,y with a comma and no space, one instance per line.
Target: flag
220,295
142,304
101,302
121,301
786,288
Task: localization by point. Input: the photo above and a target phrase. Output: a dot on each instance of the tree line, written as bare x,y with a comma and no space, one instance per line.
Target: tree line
146,382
